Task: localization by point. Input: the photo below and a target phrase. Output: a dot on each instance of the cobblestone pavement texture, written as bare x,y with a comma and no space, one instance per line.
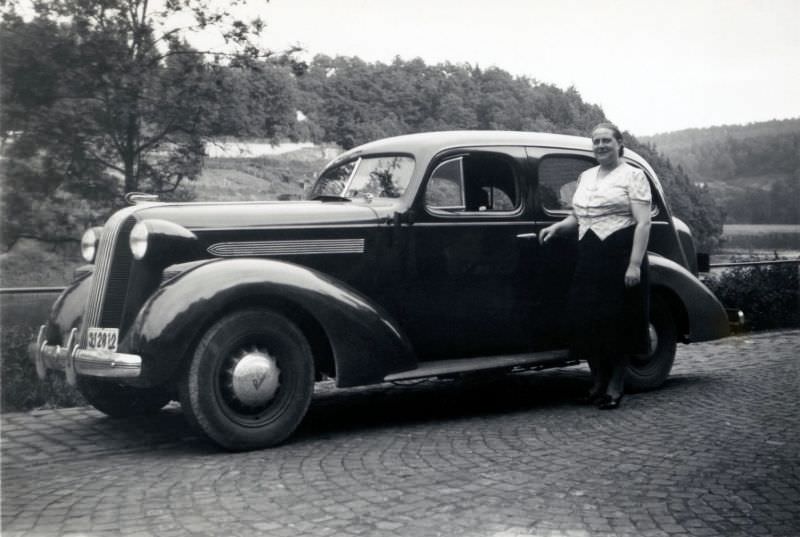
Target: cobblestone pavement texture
715,452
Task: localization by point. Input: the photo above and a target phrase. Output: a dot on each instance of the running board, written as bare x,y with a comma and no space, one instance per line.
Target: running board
537,360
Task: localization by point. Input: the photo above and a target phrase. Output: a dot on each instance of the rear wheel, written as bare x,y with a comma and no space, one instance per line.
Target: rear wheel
250,380
120,400
649,371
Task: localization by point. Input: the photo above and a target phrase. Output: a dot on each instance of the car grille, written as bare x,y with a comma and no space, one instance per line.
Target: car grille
112,269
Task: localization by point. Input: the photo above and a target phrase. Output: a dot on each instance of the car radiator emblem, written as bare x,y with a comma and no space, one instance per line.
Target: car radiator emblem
257,382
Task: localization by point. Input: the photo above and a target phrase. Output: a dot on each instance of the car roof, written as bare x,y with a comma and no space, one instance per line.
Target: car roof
434,142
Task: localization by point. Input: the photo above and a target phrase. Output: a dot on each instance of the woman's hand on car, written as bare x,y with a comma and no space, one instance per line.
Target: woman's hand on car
548,233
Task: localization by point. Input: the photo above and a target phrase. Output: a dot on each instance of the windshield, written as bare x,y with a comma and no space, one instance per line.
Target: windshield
379,177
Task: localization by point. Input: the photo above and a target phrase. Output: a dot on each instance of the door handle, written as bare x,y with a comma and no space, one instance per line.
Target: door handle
527,236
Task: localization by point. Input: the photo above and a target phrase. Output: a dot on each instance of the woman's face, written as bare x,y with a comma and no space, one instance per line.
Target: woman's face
606,147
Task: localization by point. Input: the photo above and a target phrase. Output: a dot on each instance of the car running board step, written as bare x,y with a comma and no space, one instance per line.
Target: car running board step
438,368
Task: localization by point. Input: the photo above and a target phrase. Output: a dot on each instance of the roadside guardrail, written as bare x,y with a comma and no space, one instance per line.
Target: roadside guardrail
30,290
734,264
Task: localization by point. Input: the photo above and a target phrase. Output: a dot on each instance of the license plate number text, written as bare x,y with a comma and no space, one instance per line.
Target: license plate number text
103,338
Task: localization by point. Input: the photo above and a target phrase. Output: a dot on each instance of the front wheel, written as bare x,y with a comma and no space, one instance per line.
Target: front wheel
250,380
647,372
120,400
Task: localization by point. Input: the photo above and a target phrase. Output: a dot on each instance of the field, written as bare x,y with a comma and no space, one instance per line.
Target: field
272,177
761,241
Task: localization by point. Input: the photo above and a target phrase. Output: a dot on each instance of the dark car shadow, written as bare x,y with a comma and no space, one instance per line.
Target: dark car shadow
440,400
337,412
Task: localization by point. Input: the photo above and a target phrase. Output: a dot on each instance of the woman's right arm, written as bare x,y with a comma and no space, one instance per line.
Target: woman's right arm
568,224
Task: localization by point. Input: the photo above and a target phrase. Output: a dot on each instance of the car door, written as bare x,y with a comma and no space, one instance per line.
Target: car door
555,174
469,256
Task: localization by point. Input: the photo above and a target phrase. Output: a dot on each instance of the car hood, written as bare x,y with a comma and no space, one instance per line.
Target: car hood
210,216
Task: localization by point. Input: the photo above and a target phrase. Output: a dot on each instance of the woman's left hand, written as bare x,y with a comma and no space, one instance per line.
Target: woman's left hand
633,276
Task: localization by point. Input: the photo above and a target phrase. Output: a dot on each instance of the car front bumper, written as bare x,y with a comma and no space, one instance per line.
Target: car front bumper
73,360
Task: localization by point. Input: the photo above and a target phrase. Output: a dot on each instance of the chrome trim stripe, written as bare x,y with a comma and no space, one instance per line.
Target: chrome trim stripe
288,226
481,223
297,247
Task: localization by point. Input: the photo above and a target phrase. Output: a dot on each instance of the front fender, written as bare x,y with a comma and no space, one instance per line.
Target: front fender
68,309
706,316
366,343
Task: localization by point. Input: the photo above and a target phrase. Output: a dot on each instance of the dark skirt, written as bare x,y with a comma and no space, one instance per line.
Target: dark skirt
606,318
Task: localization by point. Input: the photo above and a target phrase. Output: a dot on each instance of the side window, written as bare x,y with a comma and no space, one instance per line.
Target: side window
558,178
445,189
473,183
333,181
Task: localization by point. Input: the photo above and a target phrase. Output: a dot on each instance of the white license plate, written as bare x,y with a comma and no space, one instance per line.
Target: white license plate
103,338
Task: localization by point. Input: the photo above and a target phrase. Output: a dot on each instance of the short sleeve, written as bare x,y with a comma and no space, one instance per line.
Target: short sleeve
576,194
638,187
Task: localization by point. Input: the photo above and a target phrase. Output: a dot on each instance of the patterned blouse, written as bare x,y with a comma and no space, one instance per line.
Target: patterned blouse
604,205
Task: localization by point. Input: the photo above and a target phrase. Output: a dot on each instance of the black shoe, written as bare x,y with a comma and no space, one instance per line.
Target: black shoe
591,398
608,402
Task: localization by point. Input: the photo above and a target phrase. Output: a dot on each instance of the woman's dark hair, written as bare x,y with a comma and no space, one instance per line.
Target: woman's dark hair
615,131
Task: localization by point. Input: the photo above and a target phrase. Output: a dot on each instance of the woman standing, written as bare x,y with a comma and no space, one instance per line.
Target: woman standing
608,302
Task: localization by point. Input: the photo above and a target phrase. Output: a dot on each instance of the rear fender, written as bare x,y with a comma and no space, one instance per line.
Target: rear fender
705,315
365,342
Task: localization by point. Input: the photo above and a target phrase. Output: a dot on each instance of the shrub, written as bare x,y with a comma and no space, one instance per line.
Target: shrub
769,295
22,390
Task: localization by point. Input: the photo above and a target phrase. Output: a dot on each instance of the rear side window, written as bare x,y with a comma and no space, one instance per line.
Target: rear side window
558,178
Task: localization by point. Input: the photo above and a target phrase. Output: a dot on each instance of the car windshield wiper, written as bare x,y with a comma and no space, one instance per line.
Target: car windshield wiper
330,197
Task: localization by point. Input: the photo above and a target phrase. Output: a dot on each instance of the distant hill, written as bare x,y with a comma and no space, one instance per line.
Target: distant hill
753,169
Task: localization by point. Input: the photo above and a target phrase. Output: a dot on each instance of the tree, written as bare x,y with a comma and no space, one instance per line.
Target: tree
107,97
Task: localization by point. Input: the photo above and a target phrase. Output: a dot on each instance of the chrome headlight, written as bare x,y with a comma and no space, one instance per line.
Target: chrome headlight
89,243
138,240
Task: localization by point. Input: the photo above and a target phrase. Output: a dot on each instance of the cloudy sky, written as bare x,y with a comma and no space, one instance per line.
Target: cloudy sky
652,65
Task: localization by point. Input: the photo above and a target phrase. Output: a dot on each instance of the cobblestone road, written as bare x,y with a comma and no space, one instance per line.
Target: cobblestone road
715,452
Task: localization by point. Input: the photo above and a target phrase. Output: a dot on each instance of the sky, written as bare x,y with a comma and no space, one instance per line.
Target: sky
653,66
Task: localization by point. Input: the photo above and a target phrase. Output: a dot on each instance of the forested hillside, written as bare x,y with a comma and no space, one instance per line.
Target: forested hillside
349,101
754,169
100,99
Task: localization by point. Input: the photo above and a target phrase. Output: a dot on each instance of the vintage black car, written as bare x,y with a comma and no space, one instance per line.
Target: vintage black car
414,256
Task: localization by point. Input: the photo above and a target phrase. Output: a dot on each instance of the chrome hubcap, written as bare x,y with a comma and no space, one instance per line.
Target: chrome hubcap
255,377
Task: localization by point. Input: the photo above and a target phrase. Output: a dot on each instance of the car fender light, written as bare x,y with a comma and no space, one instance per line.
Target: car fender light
89,242
138,240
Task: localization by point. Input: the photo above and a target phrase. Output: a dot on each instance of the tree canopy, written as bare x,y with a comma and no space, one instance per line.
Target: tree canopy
350,101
